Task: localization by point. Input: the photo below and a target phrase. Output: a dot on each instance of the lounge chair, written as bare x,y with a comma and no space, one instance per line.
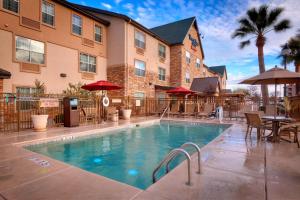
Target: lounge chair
88,116
291,128
174,109
207,110
254,121
190,110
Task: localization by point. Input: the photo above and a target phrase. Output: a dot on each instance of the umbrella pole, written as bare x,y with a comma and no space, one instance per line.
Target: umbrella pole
275,108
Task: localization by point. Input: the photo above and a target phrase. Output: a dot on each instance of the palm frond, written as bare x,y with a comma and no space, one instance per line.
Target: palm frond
262,17
244,22
273,16
282,25
252,15
245,43
242,32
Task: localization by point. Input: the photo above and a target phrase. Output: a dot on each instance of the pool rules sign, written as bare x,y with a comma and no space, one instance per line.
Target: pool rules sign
49,103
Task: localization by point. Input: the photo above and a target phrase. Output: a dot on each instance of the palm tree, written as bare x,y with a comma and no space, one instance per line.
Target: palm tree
255,25
294,57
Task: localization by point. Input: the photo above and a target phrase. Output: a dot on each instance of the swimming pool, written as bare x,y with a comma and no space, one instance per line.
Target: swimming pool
129,155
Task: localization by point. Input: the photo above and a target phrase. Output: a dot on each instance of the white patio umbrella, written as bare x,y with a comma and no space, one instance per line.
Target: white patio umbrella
274,76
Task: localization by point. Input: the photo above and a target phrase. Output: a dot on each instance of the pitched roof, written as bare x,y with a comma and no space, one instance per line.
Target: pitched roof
4,74
205,85
98,12
75,8
175,32
219,69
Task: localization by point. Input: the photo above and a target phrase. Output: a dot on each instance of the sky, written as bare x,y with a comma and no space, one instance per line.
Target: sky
217,20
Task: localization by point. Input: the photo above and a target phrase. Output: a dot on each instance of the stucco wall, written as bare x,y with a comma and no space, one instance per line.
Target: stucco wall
59,60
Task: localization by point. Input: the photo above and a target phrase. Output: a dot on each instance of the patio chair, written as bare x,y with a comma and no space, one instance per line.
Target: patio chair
244,109
207,110
254,121
291,128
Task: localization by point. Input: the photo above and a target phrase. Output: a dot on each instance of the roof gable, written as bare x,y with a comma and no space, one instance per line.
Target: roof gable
219,69
174,32
206,85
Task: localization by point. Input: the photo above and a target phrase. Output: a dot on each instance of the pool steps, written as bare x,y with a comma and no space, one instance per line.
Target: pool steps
173,154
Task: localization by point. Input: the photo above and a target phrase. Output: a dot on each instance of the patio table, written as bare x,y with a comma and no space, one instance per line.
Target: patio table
276,120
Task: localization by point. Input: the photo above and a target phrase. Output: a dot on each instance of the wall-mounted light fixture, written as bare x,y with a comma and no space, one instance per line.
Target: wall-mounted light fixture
63,75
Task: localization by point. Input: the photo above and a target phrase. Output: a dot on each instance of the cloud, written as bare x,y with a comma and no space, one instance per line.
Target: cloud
106,5
118,1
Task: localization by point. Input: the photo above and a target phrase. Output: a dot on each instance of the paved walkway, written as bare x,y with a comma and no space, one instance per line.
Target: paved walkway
232,169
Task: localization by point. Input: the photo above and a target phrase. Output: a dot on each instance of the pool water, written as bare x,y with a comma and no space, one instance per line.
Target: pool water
130,155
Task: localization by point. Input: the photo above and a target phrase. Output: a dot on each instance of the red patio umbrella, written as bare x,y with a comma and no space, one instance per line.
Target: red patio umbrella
180,90
101,85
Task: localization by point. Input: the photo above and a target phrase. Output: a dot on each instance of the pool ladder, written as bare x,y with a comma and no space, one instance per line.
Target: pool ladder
173,154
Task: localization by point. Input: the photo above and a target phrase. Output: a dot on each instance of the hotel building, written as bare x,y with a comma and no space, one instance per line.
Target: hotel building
58,43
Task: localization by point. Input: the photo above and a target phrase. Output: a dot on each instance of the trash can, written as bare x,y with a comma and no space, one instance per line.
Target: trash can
71,112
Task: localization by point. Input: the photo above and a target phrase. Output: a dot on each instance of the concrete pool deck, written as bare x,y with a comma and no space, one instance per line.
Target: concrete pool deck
232,168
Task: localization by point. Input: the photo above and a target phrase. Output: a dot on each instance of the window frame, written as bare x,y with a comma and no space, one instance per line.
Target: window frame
29,62
139,70
75,14
142,99
165,53
44,23
101,33
88,63
9,11
198,65
187,78
161,75
135,34
187,59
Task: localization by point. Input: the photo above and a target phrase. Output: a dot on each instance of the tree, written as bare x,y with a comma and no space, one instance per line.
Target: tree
294,57
255,25
76,90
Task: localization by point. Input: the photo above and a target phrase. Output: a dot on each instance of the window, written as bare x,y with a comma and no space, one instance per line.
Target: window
28,50
98,33
11,5
140,68
48,13
76,24
161,74
198,63
25,92
187,77
139,40
87,63
162,51
187,57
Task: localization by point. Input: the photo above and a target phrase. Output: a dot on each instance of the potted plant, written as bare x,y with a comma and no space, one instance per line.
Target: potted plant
127,110
39,120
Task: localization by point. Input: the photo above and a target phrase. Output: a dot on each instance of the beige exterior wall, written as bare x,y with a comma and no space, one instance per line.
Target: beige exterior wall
62,48
59,60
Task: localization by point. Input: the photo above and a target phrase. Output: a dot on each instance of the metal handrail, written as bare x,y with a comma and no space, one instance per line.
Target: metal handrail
162,115
198,152
169,157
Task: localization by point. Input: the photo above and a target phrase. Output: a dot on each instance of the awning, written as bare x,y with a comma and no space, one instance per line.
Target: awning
4,74
161,87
